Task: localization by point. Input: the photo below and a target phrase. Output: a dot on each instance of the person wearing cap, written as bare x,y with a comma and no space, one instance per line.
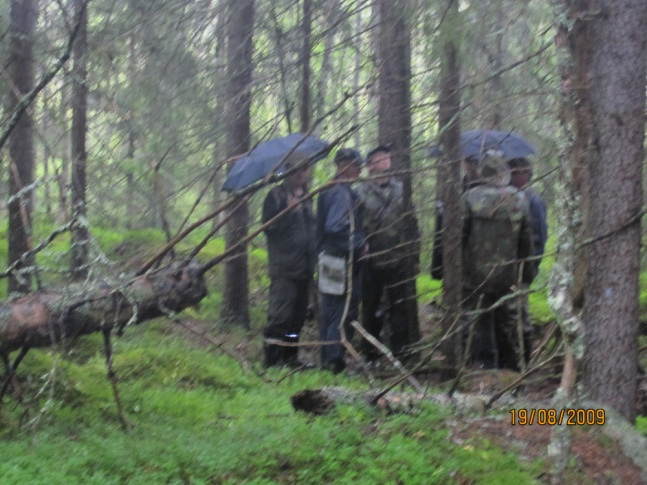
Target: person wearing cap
340,245
520,176
291,255
384,275
497,238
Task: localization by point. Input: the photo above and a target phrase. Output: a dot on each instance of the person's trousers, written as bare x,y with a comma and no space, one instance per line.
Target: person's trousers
287,308
506,354
377,283
330,320
491,329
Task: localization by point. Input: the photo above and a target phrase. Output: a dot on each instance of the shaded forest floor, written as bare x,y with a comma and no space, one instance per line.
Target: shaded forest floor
199,415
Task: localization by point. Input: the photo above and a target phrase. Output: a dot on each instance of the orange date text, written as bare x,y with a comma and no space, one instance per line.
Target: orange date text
553,417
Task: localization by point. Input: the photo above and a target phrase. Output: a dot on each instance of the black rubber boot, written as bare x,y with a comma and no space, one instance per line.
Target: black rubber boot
291,354
274,355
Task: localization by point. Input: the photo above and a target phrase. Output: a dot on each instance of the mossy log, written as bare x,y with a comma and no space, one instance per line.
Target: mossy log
43,319
322,401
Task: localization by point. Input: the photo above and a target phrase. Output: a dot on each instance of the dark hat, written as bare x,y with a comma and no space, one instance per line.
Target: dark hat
520,164
349,155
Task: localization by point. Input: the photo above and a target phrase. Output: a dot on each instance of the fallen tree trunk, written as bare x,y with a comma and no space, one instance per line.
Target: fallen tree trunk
43,319
322,401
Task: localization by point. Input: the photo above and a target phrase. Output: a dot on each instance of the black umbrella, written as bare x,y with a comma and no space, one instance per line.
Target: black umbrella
266,157
477,142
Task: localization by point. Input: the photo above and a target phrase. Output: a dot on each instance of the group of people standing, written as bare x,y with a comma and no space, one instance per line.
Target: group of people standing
360,239
357,240
504,235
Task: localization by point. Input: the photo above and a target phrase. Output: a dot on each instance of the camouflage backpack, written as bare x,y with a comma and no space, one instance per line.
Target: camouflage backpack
497,236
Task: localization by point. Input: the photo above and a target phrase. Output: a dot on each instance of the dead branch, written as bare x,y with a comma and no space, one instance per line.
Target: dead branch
389,355
42,319
322,401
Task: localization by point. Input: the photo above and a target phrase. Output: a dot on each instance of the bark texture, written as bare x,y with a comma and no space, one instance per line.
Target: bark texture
616,69
449,181
235,302
395,118
79,153
24,15
305,66
43,319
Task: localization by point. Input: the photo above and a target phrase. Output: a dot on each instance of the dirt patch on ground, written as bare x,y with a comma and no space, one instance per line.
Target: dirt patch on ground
596,458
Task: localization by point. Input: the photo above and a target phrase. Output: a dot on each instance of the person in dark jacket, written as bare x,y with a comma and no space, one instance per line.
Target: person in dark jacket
385,274
340,245
290,247
521,174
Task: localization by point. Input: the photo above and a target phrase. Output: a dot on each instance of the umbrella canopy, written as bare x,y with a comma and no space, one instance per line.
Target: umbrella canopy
477,142
266,157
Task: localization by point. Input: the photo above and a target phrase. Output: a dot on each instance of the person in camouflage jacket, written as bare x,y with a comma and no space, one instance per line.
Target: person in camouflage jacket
385,289
497,238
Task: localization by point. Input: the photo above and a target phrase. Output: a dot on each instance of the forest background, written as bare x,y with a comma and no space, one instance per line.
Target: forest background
126,144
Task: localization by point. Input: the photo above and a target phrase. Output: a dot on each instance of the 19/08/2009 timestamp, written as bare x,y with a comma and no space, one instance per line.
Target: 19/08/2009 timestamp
552,417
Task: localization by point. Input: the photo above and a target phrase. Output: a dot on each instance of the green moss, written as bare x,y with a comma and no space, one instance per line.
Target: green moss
428,289
199,418
641,424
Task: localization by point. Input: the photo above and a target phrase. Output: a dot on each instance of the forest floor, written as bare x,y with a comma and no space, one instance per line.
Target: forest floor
201,409
595,457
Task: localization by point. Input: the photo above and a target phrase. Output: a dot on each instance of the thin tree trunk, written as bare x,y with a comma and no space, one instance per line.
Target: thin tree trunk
305,66
330,9
79,155
281,54
235,304
358,70
496,85
47,152
449,182
395,124
221,106
63,150
130,177
24,15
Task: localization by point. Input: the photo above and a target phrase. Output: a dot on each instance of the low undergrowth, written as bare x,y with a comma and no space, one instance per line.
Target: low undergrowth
197,417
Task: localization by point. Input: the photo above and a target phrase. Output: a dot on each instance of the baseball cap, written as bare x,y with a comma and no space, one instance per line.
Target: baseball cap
349,155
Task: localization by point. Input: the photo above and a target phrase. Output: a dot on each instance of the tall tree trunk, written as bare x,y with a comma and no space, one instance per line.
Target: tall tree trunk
358,69
235,304
449,180
47,153
79,155
395,120
24,15
330,9
221,106
132,137
614,55
305,66
63,152
281,54
496,60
